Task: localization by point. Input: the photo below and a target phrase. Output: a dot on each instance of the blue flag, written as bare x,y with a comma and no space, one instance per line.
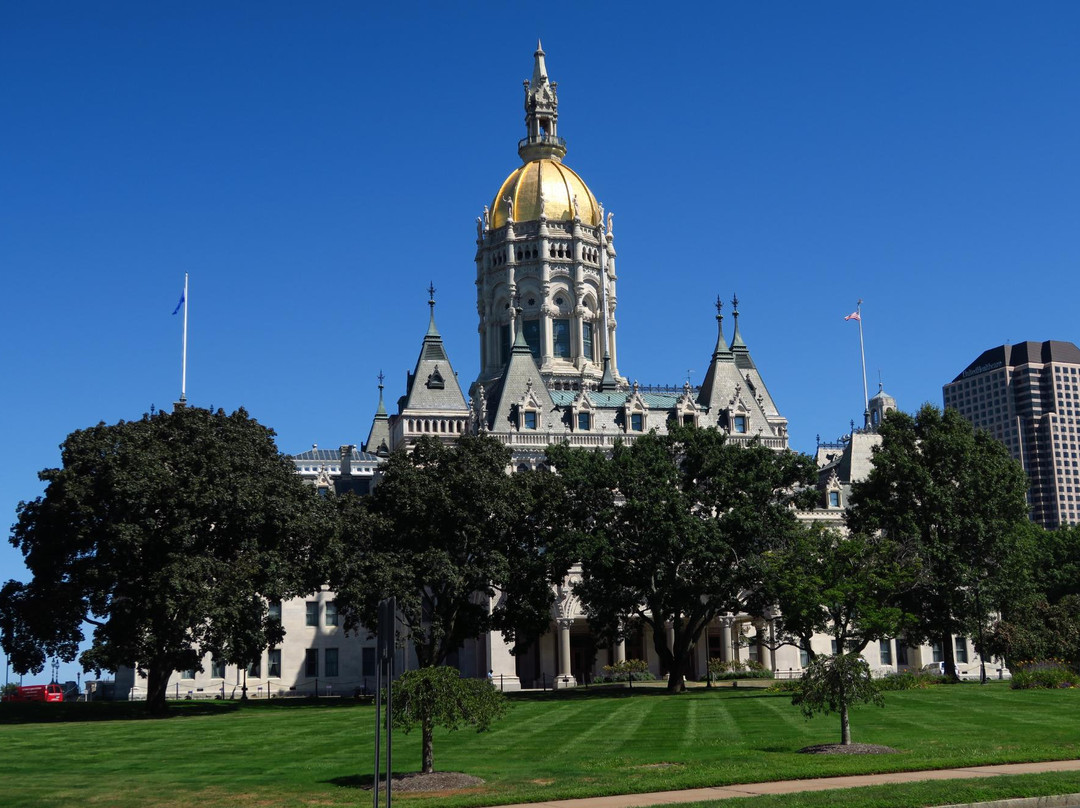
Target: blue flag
181,303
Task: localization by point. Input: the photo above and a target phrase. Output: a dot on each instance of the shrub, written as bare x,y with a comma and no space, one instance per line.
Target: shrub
738,669
629,670
1043,673
909,680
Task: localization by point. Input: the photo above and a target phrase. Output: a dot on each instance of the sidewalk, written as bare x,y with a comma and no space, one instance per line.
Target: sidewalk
792,786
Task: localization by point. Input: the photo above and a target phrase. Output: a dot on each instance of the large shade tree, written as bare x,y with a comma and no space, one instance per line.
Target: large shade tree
851,587
464,547
168,535
954,500
668,530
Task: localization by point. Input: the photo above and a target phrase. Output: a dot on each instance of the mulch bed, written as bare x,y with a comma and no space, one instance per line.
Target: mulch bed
436,781
848,749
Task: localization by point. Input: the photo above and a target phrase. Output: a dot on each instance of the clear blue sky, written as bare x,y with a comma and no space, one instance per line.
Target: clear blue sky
314,165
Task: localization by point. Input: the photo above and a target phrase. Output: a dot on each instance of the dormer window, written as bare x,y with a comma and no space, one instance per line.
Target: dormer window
435,381
688,419
528,419
834,499
637,422
738,424
584,421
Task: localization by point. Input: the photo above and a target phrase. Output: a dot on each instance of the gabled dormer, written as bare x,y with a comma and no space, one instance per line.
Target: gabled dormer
687,411
635,413
583,413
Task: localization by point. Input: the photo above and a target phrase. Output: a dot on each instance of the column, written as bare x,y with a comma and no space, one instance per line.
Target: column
565,677
620,651
772,645
501,663
725,637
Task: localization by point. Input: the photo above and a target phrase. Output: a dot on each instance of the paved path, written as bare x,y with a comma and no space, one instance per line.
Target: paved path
792,786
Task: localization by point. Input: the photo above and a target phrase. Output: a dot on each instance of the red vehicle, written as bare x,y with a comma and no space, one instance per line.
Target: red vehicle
51,692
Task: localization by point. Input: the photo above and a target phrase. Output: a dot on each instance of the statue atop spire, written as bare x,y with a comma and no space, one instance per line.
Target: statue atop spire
541,115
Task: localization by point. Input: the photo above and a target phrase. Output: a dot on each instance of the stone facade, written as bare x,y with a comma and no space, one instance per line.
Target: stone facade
548,373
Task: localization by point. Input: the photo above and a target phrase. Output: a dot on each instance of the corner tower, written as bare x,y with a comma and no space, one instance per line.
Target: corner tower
545,253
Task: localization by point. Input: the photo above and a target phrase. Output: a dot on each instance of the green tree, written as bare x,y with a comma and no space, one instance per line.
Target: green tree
439,697
457,540
168,535
832,684
1041,619
850,587
667,529
953,501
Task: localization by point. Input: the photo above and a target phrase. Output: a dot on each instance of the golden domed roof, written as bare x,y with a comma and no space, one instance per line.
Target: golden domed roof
560,185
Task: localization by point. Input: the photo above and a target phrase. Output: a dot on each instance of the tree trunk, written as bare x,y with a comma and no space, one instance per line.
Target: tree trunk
676,682
845,726
948,654
427,755
157,682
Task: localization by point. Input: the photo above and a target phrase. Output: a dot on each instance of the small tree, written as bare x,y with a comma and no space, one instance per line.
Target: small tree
832,684
439,697
628,667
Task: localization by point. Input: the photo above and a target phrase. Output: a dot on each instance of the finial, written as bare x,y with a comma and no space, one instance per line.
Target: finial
735,305
431,293
719,306
382,378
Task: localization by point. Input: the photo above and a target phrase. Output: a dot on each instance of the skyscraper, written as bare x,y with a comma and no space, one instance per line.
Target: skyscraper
1028,397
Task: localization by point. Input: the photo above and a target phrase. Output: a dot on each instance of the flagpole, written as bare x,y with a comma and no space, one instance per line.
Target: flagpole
862,352
184,361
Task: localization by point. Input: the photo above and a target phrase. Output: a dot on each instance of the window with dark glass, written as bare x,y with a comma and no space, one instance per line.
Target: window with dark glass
739,423
885,649
530,419
312,616
331,660
367,661
583,421
255,669
311,662
804,658
587,341
531,331
637,422
274,611
834,499
188,674
936,654
688,420
331,613
217,669
560,338
273,663
961,650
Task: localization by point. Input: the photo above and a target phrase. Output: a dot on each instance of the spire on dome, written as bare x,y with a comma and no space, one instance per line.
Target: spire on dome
539,75
541,115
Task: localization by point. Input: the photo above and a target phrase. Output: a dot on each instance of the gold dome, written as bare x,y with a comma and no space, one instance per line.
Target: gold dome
560,185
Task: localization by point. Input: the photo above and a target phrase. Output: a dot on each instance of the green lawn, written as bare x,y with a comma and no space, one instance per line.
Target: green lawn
574,744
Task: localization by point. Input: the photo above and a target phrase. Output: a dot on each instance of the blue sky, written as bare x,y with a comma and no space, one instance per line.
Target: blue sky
314,166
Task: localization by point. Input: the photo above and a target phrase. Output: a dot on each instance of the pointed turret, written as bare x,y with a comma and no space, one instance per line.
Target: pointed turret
722,373
519,390
737,344
541,115
433,402
378,441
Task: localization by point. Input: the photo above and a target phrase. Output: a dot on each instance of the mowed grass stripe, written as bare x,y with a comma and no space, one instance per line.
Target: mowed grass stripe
564,745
